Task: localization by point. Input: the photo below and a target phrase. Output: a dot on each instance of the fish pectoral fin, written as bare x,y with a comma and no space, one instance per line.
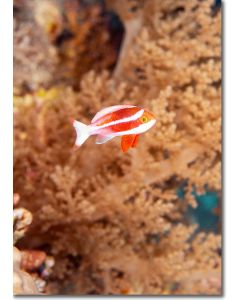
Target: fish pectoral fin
127,142
101,139
135,142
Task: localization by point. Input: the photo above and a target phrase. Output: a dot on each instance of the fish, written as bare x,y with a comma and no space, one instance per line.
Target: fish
127,121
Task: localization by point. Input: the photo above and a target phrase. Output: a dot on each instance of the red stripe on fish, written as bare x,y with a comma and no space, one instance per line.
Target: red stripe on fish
116,116
124,126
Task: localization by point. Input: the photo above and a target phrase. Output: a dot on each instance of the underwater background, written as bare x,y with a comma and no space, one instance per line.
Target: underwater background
99,221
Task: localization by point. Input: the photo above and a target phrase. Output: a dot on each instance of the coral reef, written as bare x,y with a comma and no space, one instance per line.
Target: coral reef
114,222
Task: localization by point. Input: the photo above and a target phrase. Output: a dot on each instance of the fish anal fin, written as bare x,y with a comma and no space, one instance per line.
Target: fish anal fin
127,141
101,139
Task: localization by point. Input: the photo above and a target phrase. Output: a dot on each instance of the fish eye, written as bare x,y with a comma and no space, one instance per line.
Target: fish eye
144,119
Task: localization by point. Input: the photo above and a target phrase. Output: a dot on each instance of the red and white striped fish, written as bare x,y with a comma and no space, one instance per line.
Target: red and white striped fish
127,121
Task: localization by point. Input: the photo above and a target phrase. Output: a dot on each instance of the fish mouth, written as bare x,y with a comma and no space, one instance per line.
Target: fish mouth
154,121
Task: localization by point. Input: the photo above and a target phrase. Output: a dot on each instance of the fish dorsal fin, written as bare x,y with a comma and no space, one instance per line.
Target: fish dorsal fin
128,142
101,139
108,110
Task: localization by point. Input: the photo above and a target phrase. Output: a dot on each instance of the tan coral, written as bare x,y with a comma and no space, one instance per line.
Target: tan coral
22,218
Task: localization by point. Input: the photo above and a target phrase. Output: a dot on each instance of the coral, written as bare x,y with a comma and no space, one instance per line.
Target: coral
58,41
27,277
114,222
34,57
22,281
22,218
83,30
32,259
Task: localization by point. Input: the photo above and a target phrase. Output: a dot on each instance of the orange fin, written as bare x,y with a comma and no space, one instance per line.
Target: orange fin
135,142
127,142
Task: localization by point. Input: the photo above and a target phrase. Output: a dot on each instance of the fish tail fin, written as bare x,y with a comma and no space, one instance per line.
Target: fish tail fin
82,132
